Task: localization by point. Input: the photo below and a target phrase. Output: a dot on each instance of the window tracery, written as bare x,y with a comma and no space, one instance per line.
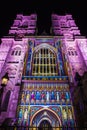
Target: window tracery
44,63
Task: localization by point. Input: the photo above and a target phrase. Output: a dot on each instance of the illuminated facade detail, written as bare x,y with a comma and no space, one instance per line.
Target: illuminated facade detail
44,63
41,70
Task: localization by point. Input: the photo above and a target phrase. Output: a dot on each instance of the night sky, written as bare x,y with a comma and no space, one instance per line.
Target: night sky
44,9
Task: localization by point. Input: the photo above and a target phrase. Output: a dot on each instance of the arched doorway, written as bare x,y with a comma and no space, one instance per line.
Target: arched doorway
45,125
45,117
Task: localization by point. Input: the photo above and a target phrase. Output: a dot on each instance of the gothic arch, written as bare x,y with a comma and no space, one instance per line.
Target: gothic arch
16,50
17,46
43,120
72,51
42,55
45,109
45,45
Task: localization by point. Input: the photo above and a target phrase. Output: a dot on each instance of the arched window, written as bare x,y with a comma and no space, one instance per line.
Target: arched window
16,52
72,52
19,53
44,63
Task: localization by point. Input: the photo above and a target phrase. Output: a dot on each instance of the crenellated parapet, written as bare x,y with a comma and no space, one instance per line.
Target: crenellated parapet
63,25
24,25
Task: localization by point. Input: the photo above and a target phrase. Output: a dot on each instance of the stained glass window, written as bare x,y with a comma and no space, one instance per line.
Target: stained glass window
44,63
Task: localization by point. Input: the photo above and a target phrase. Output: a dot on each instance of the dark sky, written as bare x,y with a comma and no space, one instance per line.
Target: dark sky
44,9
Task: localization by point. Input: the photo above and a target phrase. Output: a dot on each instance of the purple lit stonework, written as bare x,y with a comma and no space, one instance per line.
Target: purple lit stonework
41,70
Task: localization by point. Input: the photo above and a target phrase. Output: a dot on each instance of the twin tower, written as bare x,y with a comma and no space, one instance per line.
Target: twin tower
27,25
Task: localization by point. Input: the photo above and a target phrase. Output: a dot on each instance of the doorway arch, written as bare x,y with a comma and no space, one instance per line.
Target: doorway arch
45,114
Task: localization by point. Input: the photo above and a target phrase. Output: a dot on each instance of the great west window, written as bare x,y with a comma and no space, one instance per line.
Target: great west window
44,63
